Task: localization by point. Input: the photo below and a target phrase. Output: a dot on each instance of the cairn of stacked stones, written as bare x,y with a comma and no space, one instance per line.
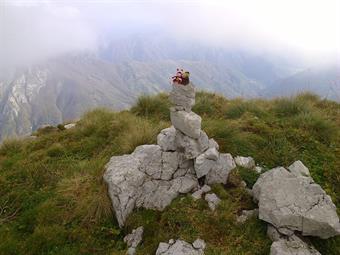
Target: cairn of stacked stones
153,175
186,160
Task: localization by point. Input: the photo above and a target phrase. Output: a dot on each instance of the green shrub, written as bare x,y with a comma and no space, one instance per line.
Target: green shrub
317,125
11,147
46,130
56,150
46,239
152,106
249,176
209,104
239,107
287,107
61,127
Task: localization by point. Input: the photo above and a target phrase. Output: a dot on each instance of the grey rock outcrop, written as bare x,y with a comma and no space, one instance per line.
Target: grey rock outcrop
292,245
180,247
295,203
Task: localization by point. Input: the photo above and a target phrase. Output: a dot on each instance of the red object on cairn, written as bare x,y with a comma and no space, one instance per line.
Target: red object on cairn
181,77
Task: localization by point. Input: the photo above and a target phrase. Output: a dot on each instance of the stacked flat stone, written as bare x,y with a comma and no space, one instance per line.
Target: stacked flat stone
153,175
187,136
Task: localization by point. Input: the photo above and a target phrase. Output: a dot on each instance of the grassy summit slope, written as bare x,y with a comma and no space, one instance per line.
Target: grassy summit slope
53,199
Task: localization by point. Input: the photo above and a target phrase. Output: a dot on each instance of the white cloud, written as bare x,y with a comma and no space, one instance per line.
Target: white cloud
32,30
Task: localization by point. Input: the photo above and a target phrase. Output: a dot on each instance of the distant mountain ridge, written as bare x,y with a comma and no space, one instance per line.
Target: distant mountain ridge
324,81
63,88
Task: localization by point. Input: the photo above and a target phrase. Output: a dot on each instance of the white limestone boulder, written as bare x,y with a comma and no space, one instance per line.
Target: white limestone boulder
220,172
295,203
183,97
205,162
146,179
246,162
188,123
124,180
166,139
190,147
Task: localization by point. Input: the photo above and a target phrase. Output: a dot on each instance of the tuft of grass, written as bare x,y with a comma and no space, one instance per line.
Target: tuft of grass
153,106
249,176
11,147
238,107
319,127
287,107
56,150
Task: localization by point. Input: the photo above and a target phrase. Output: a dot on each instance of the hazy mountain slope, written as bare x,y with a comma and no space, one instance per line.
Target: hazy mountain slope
324,81
57,91
63,88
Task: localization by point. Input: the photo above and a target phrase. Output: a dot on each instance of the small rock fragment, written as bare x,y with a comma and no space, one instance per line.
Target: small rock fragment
292,246
136,236
206,188
199,244
246,162
246,214
180,247
69,126
131,251
212,200
299,169
258,169
198,194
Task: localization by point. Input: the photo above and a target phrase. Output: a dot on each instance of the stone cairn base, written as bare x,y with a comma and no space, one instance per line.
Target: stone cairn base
153,175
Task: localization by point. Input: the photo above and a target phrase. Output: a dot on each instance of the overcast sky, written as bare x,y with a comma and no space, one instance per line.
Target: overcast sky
34,30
